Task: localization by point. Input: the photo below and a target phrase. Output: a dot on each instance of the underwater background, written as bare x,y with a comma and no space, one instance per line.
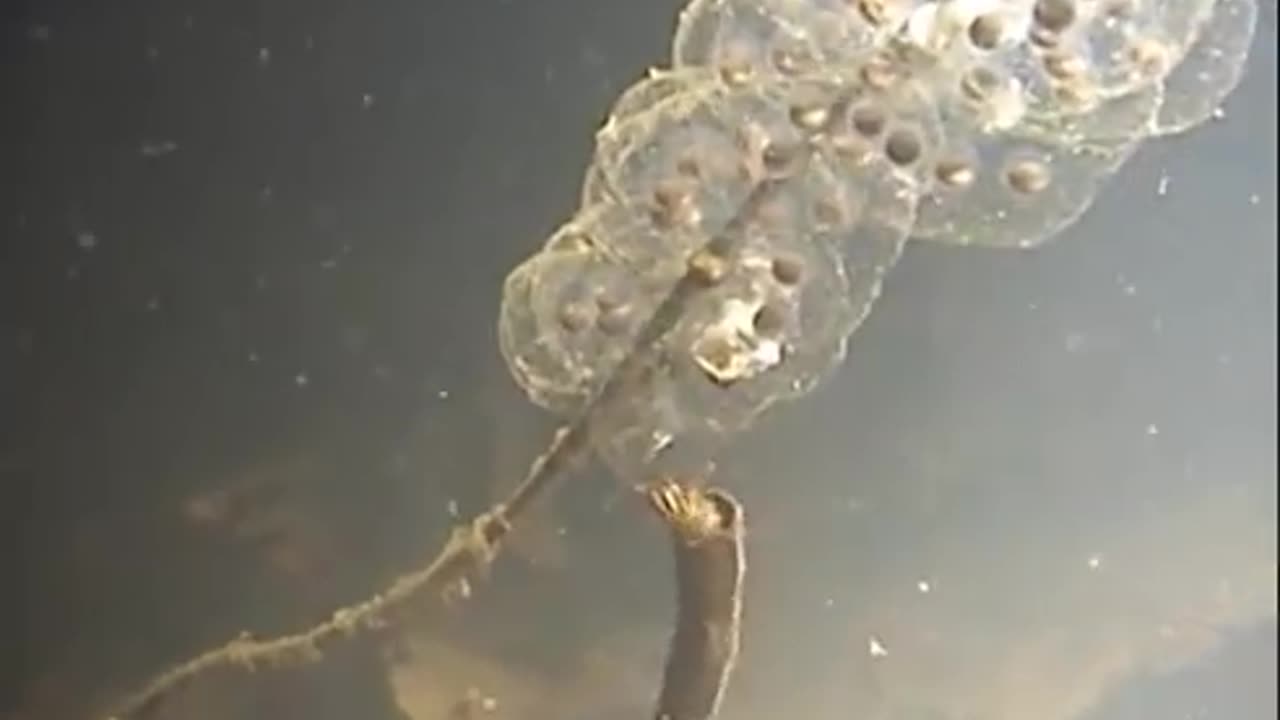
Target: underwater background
251,265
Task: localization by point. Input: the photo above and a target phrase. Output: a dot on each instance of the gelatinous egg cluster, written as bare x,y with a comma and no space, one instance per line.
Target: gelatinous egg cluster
972,122
1029,104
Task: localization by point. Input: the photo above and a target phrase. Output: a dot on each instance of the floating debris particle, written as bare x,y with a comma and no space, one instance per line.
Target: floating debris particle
1074,342
156,148
876,648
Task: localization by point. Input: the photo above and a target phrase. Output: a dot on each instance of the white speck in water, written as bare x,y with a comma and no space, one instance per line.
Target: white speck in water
658,443
156,148
460,590
829,603
1163,187
366,100
253,357
1033,307
1219,113
153,303
876,648
478,700
1157,324
1095,562
442,394
1074,342
86,240
1153,430
301,379
924,587
264,56
1127,287
1254,199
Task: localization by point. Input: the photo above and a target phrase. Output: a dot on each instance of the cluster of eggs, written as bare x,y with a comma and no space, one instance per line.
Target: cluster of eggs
975,122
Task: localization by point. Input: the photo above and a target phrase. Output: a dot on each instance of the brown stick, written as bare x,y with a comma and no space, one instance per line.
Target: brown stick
469,549
707,527
472,547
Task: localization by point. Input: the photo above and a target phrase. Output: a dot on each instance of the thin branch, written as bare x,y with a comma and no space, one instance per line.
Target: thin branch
472,547
469,550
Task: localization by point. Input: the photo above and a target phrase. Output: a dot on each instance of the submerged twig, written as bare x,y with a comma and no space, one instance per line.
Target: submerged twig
471,547
707,527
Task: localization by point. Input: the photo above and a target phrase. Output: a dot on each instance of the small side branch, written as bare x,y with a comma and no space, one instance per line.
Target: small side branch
469,550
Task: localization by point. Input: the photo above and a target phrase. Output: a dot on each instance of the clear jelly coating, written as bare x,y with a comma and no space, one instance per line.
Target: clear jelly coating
971,122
